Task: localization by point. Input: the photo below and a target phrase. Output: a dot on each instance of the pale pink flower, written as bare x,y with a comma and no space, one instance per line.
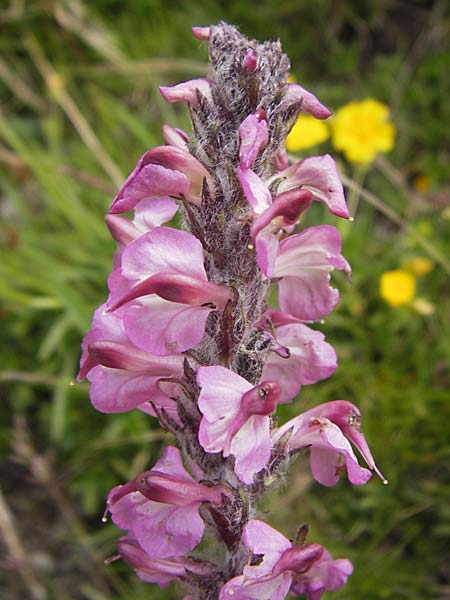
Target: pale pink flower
236,418
325,574
326,430
165,290
162,171
310,359
271,579
303,263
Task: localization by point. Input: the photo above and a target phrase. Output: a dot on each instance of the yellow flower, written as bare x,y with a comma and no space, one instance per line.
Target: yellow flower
397,287
307,132
361,130
418,266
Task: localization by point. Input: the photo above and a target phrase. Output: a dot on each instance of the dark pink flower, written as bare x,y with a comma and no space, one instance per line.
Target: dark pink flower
303,263
165,290
159,508
236,418
326,430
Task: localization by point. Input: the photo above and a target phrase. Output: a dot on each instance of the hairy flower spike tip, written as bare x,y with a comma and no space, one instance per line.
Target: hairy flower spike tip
187,334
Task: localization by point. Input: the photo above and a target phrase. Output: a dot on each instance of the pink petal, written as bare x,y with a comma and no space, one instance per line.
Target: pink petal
325,574
320,176
348,418
153,570
153,212
149,180
270,588
201,33
261,538
163,530
304,262
114,390
251,447
129,358
162,327
221,391
163,250
327,444
255,190
254,135
310,104
104,327
311,359
267,245
121,229
175,137
172,157
171,463
285,211
187,91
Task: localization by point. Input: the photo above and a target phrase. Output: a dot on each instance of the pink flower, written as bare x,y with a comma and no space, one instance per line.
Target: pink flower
236,418
325,574
271,579
326,430
162,571
320,176
167,295
122,376
162,171
309,358
304,262
160,507
283,214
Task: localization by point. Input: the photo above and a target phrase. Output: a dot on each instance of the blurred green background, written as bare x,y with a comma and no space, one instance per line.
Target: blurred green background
78,106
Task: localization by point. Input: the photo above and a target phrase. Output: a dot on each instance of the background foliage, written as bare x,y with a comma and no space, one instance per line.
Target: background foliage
78,105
